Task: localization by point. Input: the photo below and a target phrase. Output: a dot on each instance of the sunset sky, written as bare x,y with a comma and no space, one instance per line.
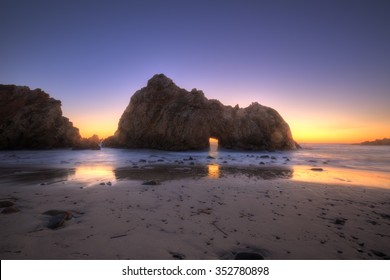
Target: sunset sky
323,65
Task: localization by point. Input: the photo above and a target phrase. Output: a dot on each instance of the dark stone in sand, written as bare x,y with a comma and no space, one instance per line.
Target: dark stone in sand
57,221
317,169
264,156
210,157
248,256
151,183
68,214
177,256
380,254
10,210
6,203
340,221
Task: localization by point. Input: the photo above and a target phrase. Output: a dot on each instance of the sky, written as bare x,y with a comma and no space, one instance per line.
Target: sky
323,65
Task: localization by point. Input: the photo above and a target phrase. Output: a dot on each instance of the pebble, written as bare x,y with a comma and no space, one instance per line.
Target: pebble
6,203
317,169
10,210
248,256
151,183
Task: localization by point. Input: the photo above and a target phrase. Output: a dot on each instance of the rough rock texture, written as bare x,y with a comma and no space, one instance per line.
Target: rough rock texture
31,119
164,116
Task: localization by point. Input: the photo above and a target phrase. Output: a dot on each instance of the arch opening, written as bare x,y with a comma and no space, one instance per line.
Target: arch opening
213,144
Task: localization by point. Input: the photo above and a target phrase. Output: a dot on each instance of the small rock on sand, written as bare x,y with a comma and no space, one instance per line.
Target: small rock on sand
317,169
248,256
58,218
151,183
57,221
10,210
68,214
177,256
6,203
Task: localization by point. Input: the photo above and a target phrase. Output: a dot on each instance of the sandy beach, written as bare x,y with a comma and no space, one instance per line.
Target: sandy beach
194,213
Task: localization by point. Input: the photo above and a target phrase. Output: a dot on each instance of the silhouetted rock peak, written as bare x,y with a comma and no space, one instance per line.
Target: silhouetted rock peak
160,81
164,116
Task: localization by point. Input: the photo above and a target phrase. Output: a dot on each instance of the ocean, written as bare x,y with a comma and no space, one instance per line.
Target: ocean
333,163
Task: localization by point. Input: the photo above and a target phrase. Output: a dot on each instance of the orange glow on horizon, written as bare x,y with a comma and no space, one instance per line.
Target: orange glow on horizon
317,129
306,133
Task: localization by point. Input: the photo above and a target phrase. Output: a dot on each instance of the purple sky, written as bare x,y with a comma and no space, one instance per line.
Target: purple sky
324,65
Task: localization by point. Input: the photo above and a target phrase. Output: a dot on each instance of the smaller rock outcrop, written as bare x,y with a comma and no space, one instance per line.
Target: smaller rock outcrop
91,143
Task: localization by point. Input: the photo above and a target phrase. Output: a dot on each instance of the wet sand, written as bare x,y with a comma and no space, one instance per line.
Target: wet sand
192,214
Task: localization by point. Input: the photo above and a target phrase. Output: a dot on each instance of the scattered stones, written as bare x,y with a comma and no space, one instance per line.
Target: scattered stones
10,210
210,157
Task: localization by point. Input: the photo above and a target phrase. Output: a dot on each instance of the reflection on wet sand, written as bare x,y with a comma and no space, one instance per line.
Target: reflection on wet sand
104,173
35,175
94,172
213,171
332,175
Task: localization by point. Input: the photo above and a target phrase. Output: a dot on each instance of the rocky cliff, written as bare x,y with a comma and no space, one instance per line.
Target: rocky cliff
164,116
31,119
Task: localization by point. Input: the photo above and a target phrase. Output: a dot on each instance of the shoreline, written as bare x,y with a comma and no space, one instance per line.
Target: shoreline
197,217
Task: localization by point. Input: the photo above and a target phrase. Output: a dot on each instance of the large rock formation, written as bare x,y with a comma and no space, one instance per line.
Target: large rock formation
164,116
31,119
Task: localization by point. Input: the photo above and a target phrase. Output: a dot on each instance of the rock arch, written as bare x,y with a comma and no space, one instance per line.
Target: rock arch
164,116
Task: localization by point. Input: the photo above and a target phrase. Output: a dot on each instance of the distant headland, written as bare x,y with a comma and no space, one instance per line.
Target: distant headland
377,142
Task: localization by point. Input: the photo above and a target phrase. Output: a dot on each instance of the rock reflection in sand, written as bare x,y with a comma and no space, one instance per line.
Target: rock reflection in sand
213,171
108,174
